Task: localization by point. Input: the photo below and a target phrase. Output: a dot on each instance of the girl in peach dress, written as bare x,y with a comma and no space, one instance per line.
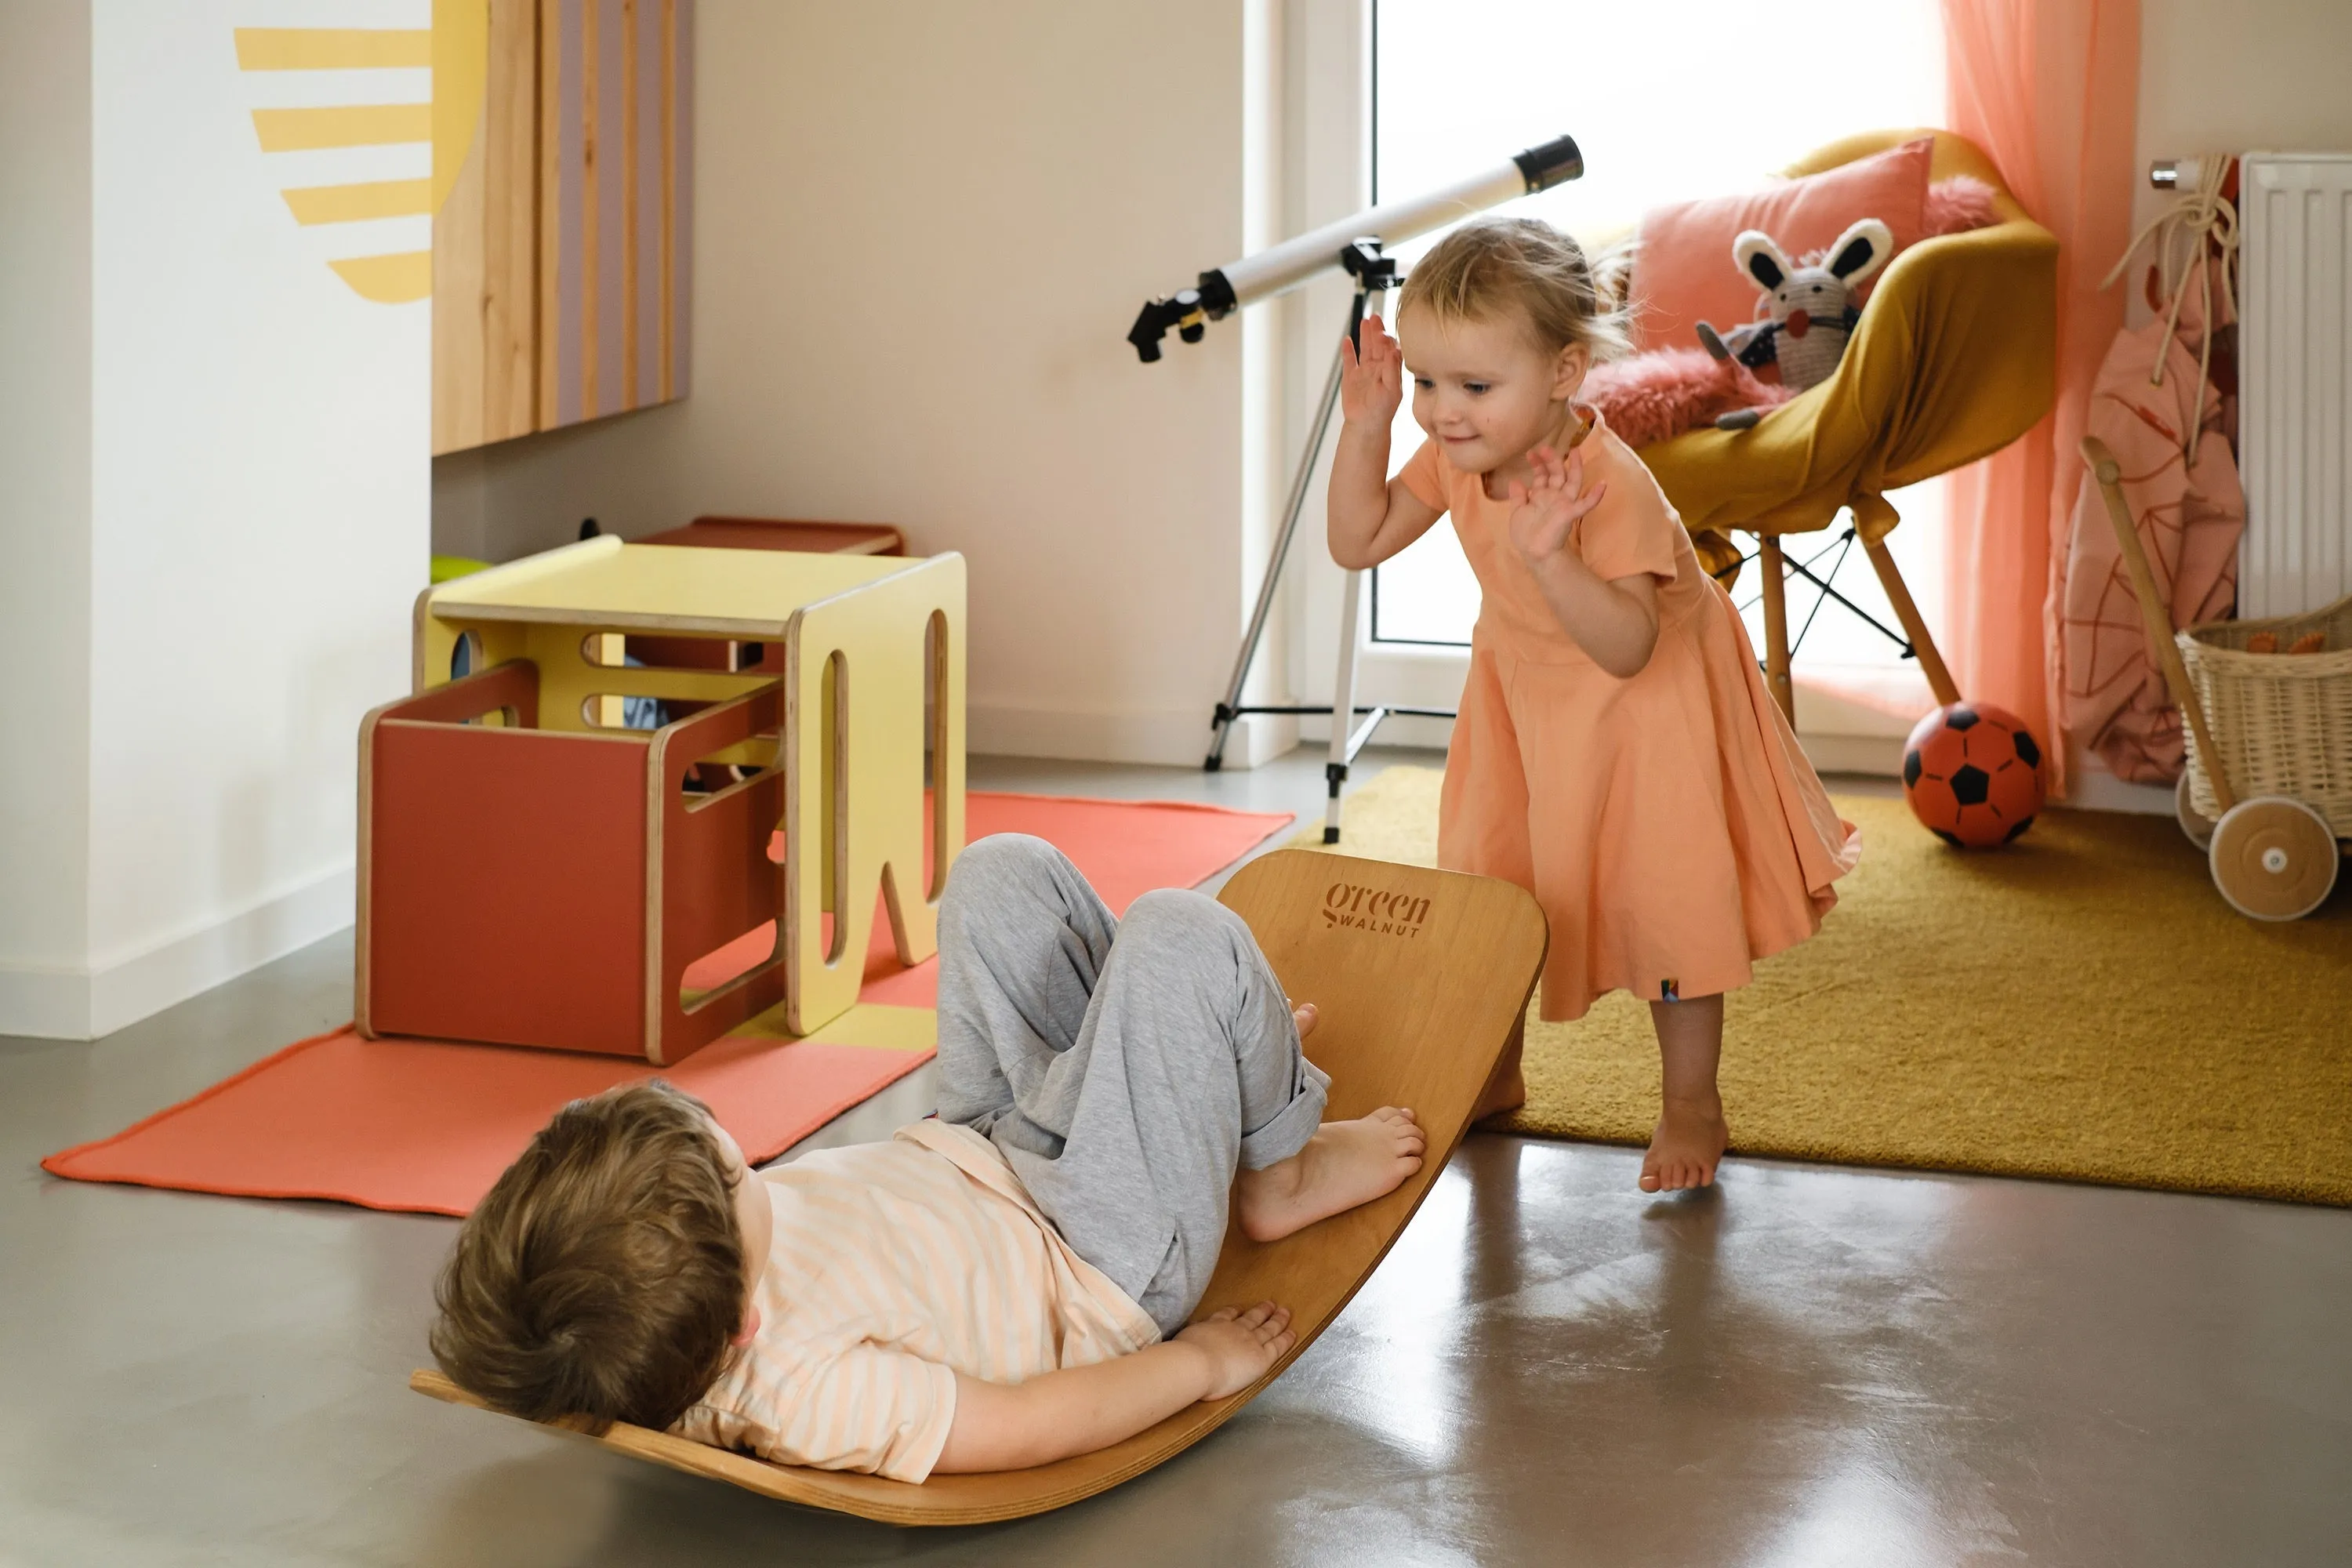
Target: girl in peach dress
1617,754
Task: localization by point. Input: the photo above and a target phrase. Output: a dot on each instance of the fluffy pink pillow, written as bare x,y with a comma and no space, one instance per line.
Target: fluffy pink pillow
1657,395
1683,271
1958,205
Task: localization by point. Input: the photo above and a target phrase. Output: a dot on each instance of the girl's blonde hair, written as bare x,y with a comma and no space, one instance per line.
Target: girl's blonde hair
1494,268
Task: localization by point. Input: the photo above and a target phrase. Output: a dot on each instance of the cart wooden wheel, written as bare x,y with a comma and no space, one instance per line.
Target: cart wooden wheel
2193,822
2274,858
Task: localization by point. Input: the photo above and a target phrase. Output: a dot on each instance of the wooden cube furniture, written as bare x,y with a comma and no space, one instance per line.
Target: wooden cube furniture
532,873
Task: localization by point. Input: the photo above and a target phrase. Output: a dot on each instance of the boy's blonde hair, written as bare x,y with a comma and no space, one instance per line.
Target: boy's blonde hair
603,1277
1495,267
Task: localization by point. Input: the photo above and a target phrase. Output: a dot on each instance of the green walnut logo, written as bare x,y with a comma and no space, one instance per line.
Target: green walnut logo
1374,911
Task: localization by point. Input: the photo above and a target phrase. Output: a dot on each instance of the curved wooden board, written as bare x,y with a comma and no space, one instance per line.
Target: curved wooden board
1419,977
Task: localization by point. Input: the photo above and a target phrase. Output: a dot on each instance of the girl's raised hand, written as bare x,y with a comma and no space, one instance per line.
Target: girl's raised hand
1543,513
1372,383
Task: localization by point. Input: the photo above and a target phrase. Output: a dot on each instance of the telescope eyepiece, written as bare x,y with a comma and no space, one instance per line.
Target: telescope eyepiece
1554,163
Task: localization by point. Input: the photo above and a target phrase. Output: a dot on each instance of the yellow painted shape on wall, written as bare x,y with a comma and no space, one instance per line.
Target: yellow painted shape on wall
354,203
388,280
351,125
461,74
332,49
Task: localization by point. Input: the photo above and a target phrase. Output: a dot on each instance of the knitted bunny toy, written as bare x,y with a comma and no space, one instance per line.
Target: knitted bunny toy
1813,308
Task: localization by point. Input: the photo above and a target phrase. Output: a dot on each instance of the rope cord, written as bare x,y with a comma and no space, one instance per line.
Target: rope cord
2207,224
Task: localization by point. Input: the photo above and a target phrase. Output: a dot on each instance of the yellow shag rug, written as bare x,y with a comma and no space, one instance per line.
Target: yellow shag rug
2081,1005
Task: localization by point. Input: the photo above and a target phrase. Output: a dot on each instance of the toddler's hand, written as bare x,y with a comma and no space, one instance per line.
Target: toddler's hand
1240,1345
1371,383
1542,515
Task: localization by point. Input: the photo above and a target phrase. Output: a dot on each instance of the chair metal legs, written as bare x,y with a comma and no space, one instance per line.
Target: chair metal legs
1775,566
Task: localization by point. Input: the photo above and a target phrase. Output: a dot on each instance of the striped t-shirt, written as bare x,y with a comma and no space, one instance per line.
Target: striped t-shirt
894,1267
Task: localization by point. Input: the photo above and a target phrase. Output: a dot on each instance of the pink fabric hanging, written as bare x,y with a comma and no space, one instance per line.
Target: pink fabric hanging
2050,90
2189,514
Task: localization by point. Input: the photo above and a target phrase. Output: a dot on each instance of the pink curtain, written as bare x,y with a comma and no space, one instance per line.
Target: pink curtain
2050,90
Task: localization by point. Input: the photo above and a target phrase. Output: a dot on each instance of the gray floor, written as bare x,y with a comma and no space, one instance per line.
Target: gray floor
1809,1366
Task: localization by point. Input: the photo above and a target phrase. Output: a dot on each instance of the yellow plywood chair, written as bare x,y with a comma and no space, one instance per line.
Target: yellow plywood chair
1955,357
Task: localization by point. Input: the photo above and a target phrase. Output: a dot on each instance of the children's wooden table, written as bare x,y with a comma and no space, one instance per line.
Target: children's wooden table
535,873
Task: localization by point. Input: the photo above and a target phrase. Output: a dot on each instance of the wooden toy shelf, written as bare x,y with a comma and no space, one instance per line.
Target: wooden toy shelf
534,872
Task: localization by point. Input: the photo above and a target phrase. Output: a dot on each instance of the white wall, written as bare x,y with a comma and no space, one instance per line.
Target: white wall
258,519
2237,78
45,480
922,230
799,337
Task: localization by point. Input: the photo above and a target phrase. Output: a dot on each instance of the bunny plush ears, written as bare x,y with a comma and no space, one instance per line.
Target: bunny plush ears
1857,253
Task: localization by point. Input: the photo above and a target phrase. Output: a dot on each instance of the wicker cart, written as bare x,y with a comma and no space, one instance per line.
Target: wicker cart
2273,815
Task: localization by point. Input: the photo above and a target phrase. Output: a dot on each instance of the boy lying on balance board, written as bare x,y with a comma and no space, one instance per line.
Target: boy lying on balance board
1005,1285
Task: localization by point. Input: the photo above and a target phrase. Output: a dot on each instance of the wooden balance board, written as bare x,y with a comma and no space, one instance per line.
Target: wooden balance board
1419,977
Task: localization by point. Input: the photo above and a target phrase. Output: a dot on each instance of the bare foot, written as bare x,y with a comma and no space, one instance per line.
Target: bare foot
1344,1164
1690,1139
1506,1090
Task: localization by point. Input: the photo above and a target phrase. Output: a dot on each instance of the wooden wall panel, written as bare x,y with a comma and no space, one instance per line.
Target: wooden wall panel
616,171
486,245
560,256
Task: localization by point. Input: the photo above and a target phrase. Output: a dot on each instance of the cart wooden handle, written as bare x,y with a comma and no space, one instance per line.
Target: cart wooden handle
2154,615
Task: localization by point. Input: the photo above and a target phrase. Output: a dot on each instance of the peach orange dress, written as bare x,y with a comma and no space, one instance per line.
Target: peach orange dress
1668,824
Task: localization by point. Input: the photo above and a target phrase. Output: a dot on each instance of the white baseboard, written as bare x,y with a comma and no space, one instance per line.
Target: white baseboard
87,1004
1874,756
1171,737
1401,729
2096,789
43,1004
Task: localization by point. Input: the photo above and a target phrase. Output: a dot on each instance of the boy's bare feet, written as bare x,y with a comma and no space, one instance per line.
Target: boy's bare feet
1689,1141
1344,1164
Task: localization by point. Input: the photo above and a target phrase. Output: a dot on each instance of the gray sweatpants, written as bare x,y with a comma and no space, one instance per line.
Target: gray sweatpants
1123,1067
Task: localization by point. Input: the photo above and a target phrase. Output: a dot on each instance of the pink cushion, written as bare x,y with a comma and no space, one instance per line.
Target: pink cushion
1684,274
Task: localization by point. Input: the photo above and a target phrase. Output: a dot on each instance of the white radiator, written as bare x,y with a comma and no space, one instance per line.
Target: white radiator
2294,361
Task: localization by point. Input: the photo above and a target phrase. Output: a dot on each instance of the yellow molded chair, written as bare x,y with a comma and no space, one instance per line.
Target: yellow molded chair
1955,356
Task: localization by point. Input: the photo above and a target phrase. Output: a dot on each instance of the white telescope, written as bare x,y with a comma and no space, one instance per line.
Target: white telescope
1356,244
1293,261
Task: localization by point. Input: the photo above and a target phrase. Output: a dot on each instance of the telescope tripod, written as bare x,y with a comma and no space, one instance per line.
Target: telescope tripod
1376,276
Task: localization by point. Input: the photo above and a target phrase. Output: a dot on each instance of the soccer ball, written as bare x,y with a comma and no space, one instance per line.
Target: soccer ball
1972,774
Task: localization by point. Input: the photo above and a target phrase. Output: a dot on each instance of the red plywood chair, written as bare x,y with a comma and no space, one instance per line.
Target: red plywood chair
533,887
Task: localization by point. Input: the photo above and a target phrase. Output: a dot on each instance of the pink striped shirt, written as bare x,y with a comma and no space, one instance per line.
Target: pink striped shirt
894,1267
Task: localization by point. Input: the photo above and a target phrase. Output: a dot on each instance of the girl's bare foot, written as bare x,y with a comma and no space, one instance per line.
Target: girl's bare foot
1683,1150
1344,1164
1506,1090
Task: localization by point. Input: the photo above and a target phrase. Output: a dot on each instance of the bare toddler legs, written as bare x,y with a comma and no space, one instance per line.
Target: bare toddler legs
1691,1134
